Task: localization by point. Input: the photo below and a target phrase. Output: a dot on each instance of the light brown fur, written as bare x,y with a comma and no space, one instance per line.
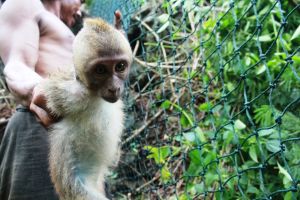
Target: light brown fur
85,143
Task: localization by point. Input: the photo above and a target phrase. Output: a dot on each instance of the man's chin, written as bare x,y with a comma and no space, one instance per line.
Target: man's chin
71,23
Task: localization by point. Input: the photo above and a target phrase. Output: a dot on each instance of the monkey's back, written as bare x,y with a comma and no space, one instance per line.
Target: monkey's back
83,146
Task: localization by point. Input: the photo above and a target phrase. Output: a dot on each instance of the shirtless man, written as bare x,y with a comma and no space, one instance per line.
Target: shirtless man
35,41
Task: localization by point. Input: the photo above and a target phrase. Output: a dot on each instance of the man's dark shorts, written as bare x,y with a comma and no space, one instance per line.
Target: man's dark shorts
24,167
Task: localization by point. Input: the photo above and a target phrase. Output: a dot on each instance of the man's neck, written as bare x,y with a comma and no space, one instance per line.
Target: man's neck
53,7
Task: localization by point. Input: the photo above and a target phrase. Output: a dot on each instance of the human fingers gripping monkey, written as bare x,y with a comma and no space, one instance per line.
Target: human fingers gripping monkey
38,106
85,142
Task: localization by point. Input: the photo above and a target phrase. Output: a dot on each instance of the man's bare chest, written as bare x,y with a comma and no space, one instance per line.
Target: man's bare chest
53,29
55,45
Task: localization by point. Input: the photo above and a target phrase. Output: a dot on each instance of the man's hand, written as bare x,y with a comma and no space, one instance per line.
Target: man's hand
38,106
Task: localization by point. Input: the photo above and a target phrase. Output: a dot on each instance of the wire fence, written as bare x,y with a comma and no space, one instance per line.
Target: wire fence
213,100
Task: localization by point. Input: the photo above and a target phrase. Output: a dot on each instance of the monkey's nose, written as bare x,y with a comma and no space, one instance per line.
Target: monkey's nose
114,91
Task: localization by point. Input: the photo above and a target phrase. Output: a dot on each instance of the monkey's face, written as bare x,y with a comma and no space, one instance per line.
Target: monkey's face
102,58
106,75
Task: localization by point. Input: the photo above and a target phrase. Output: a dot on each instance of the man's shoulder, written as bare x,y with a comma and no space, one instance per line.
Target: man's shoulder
16,11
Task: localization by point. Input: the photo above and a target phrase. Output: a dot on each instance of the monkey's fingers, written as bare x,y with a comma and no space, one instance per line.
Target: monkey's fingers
118,20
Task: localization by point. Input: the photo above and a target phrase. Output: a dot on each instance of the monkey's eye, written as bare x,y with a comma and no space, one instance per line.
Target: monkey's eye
100,69
121,66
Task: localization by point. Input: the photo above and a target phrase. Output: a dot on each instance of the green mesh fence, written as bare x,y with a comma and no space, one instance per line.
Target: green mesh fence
213,101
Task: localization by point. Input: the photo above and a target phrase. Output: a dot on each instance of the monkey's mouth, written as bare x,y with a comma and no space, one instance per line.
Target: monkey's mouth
112,99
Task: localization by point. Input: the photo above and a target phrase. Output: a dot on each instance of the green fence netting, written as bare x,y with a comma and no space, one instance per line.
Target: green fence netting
213,100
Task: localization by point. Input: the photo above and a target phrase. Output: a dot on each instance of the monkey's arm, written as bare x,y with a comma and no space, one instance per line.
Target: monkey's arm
64,96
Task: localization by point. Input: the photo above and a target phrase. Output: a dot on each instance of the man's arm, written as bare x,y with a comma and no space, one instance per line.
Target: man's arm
19,45
19,50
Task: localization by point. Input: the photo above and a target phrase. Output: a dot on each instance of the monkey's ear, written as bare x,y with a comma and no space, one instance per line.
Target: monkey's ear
118,21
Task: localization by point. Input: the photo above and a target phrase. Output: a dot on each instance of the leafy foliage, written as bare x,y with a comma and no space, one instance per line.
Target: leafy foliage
215,98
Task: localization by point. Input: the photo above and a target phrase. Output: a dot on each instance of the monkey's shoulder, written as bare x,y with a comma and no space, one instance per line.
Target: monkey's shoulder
65,96
65,75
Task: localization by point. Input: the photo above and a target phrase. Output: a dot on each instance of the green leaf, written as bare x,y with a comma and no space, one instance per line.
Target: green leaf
166,104
163,18
184,121
178,138
185,118
188,118
266,132
263,115
238,124
261,69
175,150
210,23
296,59
209,157
211,177
199,187
193,170
159,154
288,196
252,189
273,145
229,127
227,136
286,182
284,172
165,174
253,154
189,136
265,38
247,61
183,197
200,134
163,27
195,156
194,137
205,107
188,5
296,33
229,86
